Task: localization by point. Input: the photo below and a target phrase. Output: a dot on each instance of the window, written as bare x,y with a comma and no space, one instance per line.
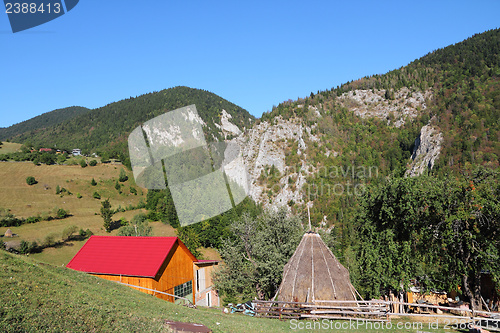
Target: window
184,289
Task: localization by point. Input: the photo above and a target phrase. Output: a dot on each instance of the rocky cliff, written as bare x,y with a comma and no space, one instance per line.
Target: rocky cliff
426,151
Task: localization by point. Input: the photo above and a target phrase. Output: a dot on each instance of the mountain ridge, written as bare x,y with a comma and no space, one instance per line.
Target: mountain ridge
105,129
44,120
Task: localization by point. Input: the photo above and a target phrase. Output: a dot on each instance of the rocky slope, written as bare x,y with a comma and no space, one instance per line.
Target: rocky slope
265,146
396,108
427,149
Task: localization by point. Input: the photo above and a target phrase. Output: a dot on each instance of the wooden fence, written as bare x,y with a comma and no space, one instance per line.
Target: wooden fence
376,310
365,310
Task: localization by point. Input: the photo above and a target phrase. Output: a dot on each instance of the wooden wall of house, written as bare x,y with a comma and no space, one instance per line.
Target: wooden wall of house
176,270
208,268
133,280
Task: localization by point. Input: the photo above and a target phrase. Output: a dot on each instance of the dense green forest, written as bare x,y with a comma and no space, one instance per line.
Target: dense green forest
438,230
42,121
105,130
465,81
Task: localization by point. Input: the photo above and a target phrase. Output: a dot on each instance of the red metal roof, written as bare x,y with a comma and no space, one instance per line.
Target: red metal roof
123,255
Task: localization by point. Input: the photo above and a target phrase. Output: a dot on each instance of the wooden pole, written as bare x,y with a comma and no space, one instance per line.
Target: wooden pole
309,215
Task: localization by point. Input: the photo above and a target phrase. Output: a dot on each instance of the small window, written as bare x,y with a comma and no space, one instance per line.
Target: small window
184,289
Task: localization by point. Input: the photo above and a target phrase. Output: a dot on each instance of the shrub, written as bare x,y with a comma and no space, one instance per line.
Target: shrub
123,222
58,189
85,233
133,190
68,232
34,247
33,219
61,158
78,195
93,163
24,247
83,164
31,180
96,196
2,245
27,247
138,226
49,240
123,176
117,186
93,182
61,213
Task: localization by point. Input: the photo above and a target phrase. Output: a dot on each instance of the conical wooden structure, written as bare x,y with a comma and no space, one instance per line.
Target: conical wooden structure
314,274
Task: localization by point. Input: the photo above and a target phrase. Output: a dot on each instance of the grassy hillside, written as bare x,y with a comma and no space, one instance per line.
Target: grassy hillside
41,297
9,147
24,201
42,121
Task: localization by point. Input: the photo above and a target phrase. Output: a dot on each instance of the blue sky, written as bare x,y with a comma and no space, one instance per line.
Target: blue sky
255,54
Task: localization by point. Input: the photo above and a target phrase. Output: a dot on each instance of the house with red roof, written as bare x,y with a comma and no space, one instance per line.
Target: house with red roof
160,266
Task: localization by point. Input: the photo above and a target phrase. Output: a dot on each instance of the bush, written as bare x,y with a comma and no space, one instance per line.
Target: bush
123,222
2,245
123,176
93,163
133,190
93,182
49,240
78,195
34,248
96,196
83,164
61,158
27,247
61,213
24,247
85,233
33,219
68,232
31,180
58,189
138,226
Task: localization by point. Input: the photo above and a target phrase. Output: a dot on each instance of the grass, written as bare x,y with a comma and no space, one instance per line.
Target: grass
24,201
9,147
42,297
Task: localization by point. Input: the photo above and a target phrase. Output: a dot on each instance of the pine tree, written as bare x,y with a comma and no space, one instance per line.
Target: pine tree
107,214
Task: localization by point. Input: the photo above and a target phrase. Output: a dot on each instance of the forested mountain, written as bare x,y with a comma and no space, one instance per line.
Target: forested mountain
42,121
348,153
105,130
